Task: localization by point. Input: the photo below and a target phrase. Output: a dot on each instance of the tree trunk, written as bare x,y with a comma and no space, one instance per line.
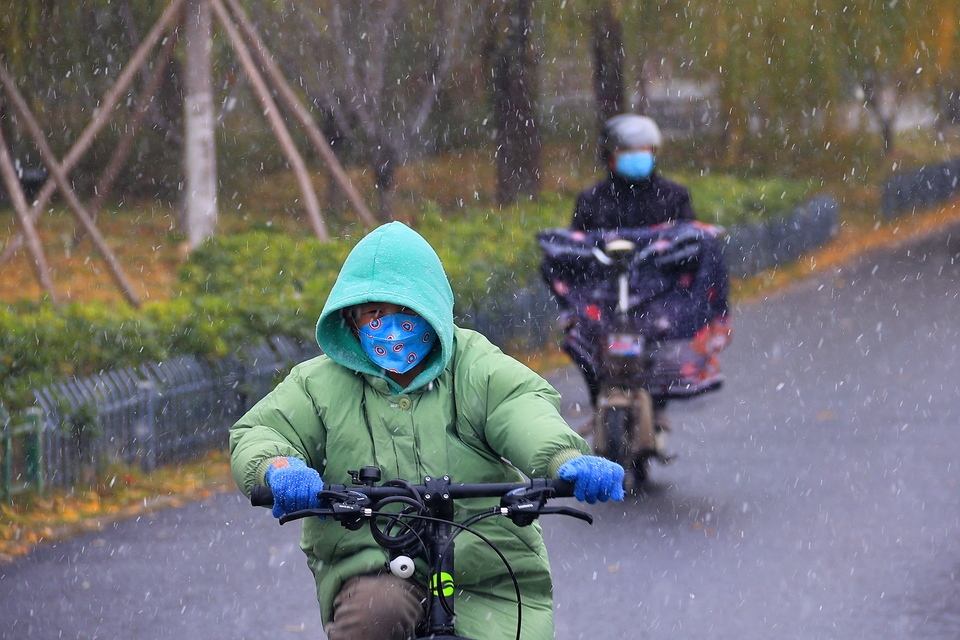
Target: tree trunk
873,101
336,198
514,79
200,163
608,56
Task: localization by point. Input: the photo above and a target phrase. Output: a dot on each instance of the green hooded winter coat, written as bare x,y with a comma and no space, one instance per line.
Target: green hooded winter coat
474,414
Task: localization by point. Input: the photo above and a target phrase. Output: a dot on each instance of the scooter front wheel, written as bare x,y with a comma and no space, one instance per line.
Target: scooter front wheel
616,423
645,434
641,470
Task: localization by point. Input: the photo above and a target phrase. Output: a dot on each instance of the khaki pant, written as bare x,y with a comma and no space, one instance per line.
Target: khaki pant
377,607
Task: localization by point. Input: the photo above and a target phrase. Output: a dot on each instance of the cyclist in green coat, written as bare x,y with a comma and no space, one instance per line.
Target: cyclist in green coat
400,387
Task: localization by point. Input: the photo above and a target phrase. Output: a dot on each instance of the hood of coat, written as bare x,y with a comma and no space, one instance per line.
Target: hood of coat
393,263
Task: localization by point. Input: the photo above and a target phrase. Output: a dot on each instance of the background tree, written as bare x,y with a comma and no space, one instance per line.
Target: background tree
608,57
393,79
513,89
65,56
199,160
374,67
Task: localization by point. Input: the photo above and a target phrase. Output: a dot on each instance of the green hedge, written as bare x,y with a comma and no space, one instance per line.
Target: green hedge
43,342
238,289
730,201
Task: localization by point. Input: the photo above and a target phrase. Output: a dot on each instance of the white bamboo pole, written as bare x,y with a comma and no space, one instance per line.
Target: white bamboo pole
39,261
272,113
287,94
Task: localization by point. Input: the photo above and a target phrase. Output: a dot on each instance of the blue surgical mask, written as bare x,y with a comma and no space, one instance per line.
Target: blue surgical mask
634,165
397,342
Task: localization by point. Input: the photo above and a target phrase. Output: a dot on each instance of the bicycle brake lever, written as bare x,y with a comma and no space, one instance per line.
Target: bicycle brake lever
346,507
525,514
304,513
568,511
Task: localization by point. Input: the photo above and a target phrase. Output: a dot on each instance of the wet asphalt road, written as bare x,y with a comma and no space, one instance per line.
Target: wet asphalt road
815,496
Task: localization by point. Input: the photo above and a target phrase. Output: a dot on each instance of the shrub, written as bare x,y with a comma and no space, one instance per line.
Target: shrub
729,201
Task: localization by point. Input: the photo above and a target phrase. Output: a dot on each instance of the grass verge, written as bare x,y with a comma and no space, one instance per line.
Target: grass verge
124,493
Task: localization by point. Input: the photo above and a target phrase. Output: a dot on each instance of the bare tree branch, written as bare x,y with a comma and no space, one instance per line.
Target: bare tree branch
442,62
324,94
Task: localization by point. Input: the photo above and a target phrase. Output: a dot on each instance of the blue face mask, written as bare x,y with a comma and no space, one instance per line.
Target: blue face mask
634,165
397,342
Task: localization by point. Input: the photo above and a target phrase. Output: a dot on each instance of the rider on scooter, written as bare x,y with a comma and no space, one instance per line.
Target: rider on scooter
632,196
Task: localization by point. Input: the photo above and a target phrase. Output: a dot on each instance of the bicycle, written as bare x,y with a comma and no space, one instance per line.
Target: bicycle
424,526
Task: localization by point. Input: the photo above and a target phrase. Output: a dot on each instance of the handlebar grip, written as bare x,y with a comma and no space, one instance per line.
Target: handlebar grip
562,488
261,497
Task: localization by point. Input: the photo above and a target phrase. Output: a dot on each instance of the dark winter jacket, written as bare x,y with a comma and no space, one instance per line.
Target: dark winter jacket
616,203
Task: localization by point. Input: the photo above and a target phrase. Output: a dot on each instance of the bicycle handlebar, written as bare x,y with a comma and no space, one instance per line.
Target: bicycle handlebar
523,502
263,496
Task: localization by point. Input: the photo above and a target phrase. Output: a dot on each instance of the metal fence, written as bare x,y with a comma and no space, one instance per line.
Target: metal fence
160,413
927,186
525,318
752,248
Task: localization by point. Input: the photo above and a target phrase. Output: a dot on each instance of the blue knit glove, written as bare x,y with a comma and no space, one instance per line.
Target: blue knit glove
295,486
594,478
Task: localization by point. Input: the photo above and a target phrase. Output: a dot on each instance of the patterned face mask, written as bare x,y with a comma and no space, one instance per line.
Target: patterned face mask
397,342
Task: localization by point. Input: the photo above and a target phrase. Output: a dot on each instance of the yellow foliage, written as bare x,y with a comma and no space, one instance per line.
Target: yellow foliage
30,522
70,514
